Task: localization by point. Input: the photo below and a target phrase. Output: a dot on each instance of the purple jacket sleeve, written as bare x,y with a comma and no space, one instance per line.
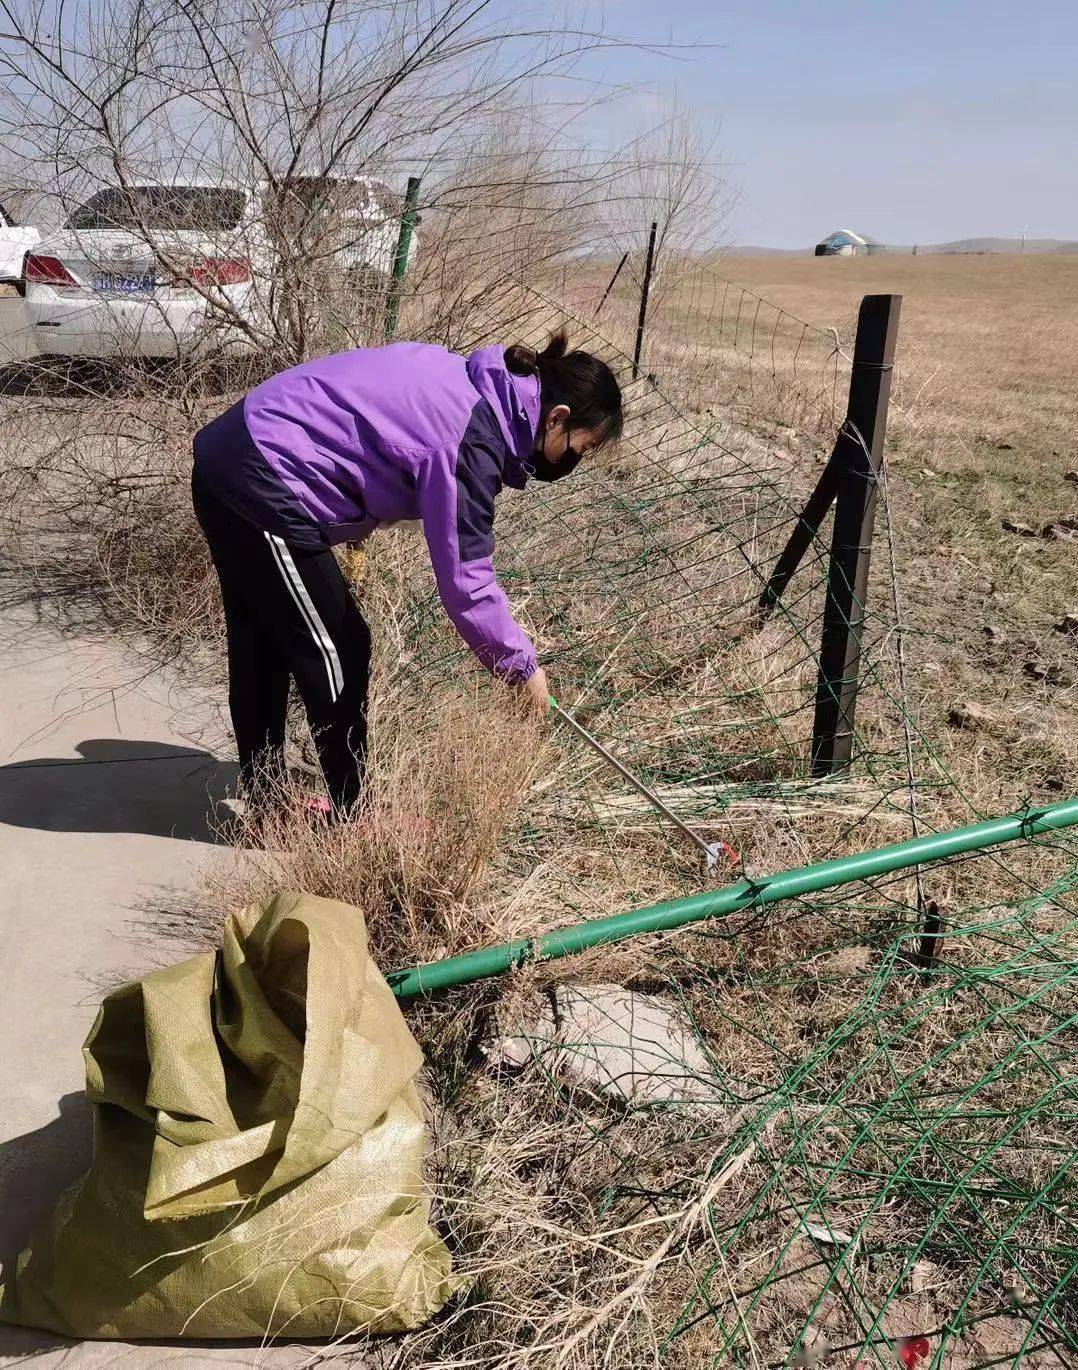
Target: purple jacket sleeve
456,493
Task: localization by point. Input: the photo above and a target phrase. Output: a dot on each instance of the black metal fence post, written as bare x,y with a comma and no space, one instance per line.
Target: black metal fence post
644,293
613,282
805,531
857,459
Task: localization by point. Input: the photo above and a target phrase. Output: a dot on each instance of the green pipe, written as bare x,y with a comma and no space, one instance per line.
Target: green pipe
400,257
824,875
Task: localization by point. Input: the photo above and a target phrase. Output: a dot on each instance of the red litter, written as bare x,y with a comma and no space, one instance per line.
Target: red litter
913,1350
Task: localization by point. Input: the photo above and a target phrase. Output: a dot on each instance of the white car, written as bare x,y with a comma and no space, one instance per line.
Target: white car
16,335
164,270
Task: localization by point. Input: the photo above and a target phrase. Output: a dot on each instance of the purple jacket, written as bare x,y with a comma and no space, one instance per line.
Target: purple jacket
327,451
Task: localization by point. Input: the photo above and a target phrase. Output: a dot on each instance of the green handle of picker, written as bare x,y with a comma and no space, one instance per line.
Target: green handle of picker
789,884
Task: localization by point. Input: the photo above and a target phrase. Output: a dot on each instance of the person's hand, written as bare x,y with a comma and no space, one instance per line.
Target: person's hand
536,692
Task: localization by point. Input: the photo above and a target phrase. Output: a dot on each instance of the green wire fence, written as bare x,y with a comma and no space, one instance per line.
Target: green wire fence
885,1171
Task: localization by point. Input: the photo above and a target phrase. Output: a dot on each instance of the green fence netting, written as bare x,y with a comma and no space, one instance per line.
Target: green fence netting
888,1170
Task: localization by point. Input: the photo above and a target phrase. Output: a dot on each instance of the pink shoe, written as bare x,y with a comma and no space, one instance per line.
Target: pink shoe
319,809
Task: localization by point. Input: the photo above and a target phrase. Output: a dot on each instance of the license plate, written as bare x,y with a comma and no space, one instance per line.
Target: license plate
125,283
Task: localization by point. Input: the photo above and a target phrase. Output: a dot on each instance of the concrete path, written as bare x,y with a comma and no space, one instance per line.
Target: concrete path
103,811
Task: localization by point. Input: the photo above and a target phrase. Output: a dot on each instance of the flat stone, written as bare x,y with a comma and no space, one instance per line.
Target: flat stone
634,1047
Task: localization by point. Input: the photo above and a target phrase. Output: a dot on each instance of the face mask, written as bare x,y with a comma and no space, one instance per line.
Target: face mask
542,468
546,470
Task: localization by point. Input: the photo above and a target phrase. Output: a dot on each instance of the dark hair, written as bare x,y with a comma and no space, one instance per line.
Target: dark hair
576,379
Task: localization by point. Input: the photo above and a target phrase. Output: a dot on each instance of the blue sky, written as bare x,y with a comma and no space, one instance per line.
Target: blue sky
913,120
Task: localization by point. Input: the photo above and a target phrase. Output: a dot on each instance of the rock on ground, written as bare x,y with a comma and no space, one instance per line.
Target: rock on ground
634,1047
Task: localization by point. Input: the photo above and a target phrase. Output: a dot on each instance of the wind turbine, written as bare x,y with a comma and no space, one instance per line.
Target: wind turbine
1024,231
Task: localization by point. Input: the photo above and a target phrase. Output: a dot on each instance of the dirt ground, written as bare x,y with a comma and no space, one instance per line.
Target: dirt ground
983,450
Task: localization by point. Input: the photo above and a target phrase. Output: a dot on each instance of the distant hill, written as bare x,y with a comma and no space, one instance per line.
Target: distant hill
1038,246
737,250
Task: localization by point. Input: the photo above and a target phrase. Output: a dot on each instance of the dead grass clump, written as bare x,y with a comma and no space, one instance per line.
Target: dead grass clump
444,801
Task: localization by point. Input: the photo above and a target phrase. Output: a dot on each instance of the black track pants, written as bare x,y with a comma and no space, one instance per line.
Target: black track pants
289,613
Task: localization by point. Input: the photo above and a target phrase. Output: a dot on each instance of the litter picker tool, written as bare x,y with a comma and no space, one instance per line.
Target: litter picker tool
714,852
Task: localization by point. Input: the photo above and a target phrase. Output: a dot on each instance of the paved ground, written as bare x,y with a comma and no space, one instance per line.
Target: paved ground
103,808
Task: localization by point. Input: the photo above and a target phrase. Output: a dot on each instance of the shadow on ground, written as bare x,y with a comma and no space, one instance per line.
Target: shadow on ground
37,1167
119,786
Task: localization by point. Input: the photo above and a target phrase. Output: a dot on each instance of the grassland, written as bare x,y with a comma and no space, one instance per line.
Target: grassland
983,433
991,342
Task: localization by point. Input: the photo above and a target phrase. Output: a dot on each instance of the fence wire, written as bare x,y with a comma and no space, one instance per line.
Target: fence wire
878,1161
899,1136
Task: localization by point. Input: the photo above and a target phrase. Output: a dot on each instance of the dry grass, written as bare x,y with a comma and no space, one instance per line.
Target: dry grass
991,340
589,1229
445,800
982,432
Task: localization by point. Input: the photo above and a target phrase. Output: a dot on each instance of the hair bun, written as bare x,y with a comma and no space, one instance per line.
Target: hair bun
525,361
521,360
580,382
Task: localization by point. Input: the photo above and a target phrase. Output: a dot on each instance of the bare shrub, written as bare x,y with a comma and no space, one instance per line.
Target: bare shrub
298,109
447,782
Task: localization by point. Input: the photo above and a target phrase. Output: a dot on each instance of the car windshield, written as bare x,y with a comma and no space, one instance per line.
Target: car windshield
200,208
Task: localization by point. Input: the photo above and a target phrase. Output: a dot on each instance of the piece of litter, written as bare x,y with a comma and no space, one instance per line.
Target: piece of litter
913,1350
811,1351
1019,1295
830,1236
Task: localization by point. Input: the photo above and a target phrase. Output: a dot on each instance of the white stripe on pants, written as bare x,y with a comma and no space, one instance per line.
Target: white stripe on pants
292,578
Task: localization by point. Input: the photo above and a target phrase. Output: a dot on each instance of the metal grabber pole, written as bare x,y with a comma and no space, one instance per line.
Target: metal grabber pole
713,851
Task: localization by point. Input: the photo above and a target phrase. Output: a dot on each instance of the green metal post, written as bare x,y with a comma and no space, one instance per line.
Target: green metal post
791,884
400,257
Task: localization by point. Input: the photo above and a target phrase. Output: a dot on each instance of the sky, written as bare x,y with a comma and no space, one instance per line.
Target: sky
914,121
911,120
